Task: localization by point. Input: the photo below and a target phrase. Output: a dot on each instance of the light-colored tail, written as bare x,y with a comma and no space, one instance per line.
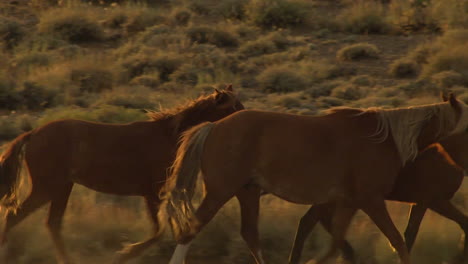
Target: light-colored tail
10,170
180,186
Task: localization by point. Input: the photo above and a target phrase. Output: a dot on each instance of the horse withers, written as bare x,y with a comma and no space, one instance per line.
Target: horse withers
129,159
304,159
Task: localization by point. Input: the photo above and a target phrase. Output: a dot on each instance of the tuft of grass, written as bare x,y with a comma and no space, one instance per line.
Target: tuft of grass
92,79
448,79
349,92
358,51
218,37
74,25
448,59
257,47
364,17
404,68
281,79
232,9
11,32
162,64
363,80
10,98
278,13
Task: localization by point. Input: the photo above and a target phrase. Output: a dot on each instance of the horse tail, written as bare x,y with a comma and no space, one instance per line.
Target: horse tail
10,170
180,186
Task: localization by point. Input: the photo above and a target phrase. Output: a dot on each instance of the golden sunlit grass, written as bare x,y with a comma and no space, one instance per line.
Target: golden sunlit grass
108,62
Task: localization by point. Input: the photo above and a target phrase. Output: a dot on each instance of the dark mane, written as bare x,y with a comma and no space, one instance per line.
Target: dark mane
192,106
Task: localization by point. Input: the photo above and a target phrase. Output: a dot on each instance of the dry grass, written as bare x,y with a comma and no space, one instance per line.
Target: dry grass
107,63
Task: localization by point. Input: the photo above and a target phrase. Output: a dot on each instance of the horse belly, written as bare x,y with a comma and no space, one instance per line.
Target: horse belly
313,184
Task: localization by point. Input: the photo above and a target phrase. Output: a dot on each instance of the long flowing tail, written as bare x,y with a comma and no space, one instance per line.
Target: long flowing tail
180,186
10,170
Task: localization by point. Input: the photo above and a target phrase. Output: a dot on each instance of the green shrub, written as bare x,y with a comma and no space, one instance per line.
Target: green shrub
358,51
181,17
150,81
364,17
329,101
92,79
232,9
34,59
278,13
10,99
206,34
9,128
363,80
281,79
323,89
448,79
448,59
35,96
127,98
404,68
349,92
288,101
74,25
257,47
11,32
187,74
141,64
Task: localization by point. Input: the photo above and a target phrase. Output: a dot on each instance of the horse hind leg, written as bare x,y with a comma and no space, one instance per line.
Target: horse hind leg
36,199
249,201
416,215
54,222
306,224
136,249
326,216
210,205
341,220
377,211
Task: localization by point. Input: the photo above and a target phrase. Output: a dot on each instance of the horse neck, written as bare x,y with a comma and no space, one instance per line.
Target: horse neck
187,119
433,132
457,147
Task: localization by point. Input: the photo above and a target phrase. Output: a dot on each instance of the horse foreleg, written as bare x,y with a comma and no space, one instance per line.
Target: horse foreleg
249,201
306,224
36,199
54,222
207,210
136,249
447,209
414,222
342,217
377,211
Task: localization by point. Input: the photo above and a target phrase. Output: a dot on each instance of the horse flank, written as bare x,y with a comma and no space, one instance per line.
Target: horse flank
405,125
180,186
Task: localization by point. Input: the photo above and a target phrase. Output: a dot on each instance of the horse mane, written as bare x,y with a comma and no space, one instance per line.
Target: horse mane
192,109
405,124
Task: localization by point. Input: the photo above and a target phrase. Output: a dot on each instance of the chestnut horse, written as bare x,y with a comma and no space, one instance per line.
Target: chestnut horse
430,182
350,157
128,159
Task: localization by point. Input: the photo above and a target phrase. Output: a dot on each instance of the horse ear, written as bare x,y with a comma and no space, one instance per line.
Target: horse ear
229,87
454,102
444,97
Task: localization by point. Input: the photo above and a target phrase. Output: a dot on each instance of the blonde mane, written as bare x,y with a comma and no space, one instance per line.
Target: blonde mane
405,125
